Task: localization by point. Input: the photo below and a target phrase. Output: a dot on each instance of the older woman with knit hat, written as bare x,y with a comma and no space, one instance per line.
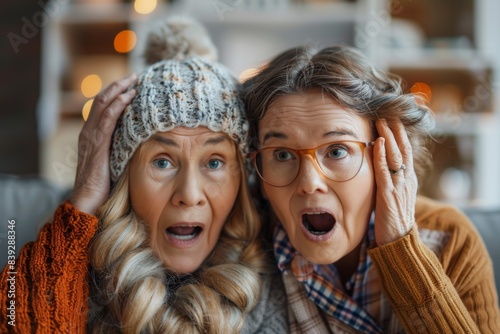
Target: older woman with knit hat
173,247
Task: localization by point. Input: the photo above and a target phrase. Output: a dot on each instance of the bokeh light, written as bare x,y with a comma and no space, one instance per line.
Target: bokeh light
247,74
125,41
86,109
144,6
422,90
91,85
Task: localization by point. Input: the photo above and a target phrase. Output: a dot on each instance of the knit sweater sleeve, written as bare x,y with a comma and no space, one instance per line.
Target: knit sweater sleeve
454,293
49,280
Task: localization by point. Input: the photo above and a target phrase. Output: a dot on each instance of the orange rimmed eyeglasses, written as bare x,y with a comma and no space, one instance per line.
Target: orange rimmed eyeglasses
339,161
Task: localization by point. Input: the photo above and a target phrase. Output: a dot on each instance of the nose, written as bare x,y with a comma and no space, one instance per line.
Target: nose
310,178
189,189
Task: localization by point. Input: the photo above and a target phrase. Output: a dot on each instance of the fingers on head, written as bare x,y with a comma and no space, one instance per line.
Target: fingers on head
108,95
110,115
387,178
380,163
106,109
404,144
393,154
398,152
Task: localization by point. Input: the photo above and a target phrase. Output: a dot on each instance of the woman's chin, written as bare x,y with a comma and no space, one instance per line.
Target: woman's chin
319,253
181,266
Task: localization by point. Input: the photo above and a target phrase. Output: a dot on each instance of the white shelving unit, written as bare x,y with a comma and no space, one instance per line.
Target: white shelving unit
488,44
247,37
61,102
472,117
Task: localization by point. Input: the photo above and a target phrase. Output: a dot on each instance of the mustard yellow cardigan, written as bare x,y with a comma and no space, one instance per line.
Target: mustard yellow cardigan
454,293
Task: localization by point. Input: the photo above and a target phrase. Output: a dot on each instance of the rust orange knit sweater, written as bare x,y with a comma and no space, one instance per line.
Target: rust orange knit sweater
47,272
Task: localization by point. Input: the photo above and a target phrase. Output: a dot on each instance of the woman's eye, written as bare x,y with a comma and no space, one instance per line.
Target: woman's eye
214,164
283,155
162,163
337,152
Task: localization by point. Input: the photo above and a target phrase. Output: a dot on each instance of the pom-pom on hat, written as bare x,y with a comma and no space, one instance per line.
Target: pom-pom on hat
182,86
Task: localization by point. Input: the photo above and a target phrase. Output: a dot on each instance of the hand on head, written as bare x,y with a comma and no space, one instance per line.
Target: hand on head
307,98
92,182
338,147
396,183
179,206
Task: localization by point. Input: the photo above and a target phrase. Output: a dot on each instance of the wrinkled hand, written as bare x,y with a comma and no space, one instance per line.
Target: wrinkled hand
396,193
92,182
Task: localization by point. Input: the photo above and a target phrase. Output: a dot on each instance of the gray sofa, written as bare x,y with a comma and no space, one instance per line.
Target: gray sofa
31,202
487,222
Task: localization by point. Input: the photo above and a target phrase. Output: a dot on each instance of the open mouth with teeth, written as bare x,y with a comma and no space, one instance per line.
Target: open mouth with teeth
318,223
184,232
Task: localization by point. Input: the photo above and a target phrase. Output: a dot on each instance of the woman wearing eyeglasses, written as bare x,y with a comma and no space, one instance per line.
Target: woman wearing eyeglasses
337,147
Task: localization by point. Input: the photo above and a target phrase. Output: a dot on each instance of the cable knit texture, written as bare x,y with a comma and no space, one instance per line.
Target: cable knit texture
452,293
179,38
270,314
182,85
51,292
190,93
52,289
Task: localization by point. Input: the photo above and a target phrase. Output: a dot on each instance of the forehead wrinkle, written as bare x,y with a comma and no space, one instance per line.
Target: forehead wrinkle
303,116
216,140
340,133
163,141
341,128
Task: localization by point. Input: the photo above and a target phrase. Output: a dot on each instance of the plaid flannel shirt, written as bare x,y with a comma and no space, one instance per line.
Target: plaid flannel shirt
366,311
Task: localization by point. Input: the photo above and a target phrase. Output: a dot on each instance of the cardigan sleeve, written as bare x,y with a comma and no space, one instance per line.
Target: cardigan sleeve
47,284
454,293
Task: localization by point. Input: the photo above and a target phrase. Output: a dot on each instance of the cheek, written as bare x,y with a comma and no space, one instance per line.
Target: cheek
358,197
144,198
223,198
365,183
280,200
135,185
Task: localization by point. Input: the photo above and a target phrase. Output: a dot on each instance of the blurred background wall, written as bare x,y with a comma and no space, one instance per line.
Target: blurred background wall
19,91
56,55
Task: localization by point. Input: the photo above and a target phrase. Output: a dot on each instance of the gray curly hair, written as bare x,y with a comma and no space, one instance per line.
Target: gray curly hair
346,75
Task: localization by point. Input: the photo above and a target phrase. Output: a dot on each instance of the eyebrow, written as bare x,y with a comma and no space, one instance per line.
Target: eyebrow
274,134
164,141
215,140
170,142
335,133
341,133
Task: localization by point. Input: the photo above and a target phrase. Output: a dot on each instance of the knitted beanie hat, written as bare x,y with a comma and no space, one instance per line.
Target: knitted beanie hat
186,89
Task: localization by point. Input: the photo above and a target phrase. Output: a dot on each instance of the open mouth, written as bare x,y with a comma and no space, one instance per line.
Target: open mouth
184,232
318,223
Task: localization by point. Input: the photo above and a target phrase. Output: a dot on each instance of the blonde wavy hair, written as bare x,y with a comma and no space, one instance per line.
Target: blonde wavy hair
131,291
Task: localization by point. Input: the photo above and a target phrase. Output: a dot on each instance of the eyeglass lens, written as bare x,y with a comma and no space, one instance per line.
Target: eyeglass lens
338,161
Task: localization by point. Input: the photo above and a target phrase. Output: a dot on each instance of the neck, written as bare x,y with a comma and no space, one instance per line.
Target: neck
347,265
